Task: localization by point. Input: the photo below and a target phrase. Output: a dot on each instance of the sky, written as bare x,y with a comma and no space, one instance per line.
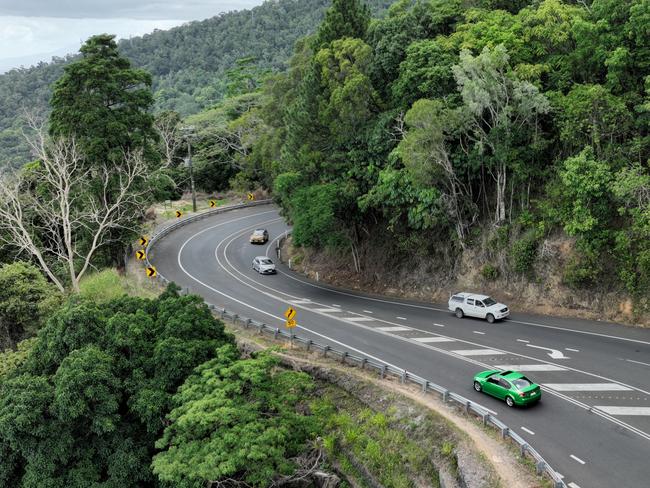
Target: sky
35,30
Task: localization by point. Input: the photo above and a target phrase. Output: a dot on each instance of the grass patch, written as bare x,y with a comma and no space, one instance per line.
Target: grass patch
108,284
371,447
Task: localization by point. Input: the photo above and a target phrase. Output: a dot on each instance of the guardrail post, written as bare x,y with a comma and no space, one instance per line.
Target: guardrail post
424,386
309,343
222,313
261,328
486,418
382,373
363,362
247,323
289,263
504,432
234,318
522,449
276,332
316,275
325,349
539,467
403,377
467,406
343,356
445,396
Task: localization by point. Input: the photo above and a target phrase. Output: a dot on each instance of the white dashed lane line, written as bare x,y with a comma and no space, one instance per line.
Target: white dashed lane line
572,350
477,352
530,367
637,362
576,458
433,339
587,387
393,329
479,332
367,311
523,340
438,325
400,318
528,430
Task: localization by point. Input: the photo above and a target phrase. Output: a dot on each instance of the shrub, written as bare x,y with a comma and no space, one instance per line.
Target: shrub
489,272
523,254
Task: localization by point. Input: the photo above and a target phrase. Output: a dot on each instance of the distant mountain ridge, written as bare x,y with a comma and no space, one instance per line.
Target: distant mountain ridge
188,62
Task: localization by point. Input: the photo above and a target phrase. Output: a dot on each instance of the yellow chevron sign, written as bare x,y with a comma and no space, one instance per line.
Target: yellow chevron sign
213,203
140,254
151,272
250,196
179,214
143,241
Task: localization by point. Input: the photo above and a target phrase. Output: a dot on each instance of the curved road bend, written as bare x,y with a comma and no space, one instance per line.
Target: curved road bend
593,423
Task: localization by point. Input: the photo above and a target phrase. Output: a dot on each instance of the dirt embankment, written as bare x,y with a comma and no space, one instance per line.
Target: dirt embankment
541,291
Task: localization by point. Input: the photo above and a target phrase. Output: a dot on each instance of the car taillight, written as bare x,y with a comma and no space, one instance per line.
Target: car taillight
522,394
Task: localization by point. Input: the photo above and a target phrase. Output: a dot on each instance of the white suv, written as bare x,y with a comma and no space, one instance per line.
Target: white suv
481,306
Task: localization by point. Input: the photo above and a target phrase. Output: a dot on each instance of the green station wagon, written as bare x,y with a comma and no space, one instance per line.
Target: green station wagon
510,386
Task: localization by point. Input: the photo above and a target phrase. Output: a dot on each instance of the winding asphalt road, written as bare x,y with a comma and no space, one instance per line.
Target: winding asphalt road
593,422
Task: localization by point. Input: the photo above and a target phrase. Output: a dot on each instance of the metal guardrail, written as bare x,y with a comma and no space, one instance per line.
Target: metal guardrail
383,369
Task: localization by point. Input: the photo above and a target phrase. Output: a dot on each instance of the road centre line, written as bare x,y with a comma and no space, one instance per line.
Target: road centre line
367,311
637,362
523,340
438,325
576,458
572,350
528,430
400,318
566,398
479,332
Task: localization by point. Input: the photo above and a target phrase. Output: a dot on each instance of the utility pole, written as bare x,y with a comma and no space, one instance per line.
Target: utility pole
188,163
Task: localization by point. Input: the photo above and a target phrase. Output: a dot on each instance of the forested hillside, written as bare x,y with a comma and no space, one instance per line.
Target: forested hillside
188,63
476,130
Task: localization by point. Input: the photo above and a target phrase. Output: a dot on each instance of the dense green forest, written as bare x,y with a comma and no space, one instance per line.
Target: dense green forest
450,123
187,63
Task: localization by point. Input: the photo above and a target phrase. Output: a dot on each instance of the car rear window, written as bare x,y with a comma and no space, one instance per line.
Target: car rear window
522,383
266,261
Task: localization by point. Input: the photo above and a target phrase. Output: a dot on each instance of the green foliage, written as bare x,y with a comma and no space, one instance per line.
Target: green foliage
10,360
315,223
235,420
89,401
523,253
26,301
104,103
489,272
345,18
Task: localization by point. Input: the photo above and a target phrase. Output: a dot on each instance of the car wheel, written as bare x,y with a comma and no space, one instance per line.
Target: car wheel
510,402
459,313
477,386
490,318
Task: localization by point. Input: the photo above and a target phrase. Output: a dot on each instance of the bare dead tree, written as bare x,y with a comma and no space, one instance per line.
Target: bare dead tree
168,127
60,211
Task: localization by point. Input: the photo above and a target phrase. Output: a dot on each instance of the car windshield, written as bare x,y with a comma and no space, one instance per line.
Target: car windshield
266,261
489,302
522,383
258,232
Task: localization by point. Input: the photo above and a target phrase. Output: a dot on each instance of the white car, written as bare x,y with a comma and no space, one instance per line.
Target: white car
481,306
263,265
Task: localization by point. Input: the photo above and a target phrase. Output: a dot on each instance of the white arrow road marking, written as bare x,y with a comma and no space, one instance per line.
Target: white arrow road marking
554,353
433,339
615,410
531,367
587,387
477,352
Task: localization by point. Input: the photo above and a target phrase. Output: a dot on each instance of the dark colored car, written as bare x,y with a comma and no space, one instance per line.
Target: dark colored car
511,386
